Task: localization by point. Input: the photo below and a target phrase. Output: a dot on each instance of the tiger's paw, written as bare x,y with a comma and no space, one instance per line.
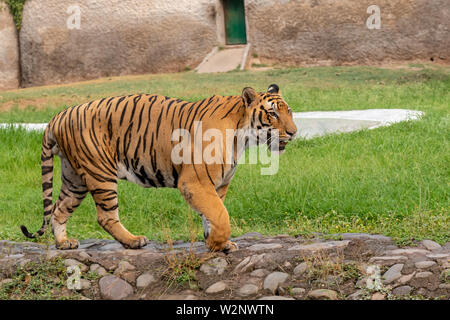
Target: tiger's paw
137,242
230,247
67,244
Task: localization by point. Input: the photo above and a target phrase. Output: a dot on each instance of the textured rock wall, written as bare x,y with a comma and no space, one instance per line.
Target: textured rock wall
335,31
9,50
116,37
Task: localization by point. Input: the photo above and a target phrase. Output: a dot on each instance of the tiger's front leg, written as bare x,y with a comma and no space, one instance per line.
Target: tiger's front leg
216,222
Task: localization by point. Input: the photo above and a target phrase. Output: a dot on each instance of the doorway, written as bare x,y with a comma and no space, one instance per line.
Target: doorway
234,18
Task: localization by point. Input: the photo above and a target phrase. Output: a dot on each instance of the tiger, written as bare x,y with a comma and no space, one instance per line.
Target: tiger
129,138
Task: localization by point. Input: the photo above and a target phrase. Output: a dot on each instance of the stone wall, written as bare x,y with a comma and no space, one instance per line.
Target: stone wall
9,50
335,32
116,37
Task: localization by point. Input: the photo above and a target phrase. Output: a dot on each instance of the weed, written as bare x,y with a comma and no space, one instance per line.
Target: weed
43,280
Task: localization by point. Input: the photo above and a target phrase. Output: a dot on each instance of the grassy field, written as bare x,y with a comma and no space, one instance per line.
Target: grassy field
392,180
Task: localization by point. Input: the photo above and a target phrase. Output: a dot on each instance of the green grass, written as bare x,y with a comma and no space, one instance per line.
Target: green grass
392,180
44,280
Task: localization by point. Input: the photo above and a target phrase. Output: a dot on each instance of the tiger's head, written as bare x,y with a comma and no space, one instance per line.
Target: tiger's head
267,114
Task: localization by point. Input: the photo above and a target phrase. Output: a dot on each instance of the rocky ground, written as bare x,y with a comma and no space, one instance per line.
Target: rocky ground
346,266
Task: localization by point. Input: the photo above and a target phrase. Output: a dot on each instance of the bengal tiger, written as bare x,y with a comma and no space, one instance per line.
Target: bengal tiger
129,137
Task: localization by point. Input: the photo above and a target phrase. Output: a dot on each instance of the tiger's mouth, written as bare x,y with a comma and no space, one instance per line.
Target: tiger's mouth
277,146
282,145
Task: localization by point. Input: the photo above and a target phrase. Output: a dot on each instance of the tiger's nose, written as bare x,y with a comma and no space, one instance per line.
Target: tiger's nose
291,134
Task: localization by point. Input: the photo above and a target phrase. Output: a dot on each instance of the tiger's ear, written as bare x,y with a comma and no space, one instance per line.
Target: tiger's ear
249,95
273,88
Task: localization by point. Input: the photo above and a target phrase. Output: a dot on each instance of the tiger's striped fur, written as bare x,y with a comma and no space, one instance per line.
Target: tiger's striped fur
129,137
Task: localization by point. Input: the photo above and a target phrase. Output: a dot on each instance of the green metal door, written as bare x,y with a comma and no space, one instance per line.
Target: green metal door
234,21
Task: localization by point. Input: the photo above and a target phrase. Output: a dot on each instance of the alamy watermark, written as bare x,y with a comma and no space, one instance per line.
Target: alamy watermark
74,20
74,278
214,146
374,20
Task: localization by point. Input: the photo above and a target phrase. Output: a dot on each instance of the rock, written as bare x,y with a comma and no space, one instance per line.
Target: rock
249,236
357,295
431,245
114,288
298,291
109,264
98,269
424,264
85,284
404,279
217,287
444,286
273,280
248,263
144,280
402,291
387,260
275,298
378,296
265,246
308,249
438,256
247,290
5,281
214,266
319,294
424,274
72,262
366,236
52,254
300,269
9,50
259,273
113,246
129,276
393,273
55,49
85,257
123,267
408,251
425,280
23,262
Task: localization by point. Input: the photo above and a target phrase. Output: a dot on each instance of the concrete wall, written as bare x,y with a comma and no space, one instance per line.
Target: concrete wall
9,50
116,37
334,31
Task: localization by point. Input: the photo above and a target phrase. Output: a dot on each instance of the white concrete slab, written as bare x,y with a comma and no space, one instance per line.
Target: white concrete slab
318,123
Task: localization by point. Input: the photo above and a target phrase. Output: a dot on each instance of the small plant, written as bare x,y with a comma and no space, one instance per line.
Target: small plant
16,9
323,269
38,281
181,267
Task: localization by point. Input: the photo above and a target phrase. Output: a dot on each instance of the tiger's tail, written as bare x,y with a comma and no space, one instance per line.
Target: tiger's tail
47,184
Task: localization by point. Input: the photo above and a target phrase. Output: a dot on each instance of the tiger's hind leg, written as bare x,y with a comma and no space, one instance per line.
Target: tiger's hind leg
72,193
105,197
